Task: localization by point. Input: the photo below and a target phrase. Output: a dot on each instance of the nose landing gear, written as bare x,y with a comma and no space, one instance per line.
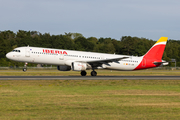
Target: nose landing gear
25,67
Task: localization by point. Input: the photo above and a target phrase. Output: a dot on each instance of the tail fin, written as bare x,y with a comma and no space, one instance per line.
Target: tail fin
153,58
157,50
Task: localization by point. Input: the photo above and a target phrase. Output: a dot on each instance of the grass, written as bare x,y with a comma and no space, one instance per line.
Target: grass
32,72
90,99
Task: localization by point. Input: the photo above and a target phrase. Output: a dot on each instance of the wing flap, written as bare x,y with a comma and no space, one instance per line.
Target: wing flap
96,63
104,60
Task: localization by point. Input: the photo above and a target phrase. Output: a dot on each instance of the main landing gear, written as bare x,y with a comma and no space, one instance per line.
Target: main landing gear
25,67
93,73
83,73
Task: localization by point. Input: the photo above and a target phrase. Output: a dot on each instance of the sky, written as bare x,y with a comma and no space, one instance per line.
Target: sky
149,19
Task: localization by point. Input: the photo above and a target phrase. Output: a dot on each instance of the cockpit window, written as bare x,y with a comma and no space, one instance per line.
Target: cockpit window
16,51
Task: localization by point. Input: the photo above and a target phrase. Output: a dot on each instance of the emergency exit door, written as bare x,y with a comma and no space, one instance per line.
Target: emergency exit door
27,52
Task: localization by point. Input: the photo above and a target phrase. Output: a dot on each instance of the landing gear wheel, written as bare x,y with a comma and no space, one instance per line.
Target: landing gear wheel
83,73
24,69
93,73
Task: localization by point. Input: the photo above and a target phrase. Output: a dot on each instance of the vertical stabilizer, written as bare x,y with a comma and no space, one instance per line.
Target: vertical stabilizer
153,58
157,50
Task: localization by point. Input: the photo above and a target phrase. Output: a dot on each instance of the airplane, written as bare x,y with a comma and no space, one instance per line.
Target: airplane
67,60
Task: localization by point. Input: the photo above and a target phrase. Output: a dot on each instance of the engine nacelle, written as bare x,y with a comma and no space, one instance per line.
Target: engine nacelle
78,66
64,68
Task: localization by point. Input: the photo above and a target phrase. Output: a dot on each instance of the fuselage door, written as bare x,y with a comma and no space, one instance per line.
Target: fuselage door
61,56
27,52
144,62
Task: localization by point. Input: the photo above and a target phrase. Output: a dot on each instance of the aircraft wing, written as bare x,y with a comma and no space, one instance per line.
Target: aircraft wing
97,63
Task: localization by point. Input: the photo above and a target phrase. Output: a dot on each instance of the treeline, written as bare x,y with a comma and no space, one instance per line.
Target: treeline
127,45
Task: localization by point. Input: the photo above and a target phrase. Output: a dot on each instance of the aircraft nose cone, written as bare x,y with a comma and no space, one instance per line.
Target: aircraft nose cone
8,55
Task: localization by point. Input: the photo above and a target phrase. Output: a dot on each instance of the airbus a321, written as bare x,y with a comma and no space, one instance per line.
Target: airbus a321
67,60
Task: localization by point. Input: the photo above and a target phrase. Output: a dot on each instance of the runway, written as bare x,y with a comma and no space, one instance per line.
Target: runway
89,77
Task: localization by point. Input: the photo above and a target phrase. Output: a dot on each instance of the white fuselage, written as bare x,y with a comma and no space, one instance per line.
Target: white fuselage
66,57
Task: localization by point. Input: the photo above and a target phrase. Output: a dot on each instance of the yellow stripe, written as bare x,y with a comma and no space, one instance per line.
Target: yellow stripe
162,39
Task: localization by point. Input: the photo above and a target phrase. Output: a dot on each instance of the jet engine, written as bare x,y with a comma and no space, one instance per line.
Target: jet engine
78,66
63,68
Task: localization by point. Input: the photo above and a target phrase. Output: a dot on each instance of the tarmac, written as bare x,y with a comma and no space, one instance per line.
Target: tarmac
89,77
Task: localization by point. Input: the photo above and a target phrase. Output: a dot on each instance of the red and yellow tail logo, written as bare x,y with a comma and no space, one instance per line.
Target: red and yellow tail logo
157,50
153,55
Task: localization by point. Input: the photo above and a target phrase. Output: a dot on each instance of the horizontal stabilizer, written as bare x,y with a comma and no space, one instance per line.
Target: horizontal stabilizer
163,63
